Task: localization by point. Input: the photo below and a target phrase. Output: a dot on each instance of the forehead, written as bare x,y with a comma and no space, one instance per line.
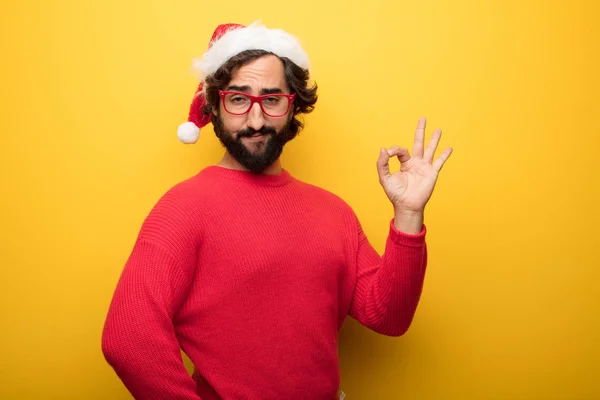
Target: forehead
262,73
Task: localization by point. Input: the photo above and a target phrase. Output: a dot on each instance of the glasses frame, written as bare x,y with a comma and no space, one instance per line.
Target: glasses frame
258,99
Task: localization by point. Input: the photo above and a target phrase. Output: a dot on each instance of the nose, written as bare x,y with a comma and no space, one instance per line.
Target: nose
256,118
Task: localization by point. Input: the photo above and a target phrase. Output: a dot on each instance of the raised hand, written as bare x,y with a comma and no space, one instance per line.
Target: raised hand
410,188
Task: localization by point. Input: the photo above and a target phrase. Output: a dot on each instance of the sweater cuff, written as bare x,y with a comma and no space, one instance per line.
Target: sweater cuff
407,239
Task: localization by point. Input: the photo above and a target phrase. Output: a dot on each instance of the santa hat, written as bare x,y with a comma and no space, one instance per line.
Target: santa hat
227,41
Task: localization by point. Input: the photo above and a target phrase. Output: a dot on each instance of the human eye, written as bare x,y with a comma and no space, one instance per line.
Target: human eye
238,99
272,100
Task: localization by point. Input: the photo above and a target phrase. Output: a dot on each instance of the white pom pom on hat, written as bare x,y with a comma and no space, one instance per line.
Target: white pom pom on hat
227,41
188,132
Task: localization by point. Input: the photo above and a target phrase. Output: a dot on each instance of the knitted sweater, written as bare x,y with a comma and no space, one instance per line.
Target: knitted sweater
252,277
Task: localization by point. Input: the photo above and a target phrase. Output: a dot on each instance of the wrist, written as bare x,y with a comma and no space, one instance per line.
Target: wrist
408,221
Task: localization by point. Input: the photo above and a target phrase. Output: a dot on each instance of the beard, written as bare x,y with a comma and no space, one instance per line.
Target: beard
263,154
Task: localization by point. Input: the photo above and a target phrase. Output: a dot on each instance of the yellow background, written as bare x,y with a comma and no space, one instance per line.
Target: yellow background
92,93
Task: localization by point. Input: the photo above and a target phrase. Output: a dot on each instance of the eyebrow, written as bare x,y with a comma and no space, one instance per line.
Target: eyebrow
247,89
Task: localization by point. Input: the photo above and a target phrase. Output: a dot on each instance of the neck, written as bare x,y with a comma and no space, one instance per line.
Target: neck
229,162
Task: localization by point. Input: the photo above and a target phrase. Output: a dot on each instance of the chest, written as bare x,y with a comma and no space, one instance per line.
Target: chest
255,248
273,253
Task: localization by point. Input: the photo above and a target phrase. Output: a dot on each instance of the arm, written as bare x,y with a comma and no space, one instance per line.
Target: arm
139,339
388,288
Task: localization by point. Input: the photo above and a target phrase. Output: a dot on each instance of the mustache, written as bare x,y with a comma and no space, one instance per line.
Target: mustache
265,130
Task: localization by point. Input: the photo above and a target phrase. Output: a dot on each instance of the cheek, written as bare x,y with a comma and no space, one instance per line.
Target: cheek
278,123
232,123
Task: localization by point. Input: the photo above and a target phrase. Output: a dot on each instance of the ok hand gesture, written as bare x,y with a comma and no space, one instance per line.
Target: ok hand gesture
410,188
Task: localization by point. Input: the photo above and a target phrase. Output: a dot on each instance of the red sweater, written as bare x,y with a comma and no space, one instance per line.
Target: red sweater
253,276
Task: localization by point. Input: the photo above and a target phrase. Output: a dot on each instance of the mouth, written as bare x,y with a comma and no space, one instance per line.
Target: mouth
255,137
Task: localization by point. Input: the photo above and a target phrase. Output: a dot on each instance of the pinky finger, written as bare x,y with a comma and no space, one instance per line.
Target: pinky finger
439,162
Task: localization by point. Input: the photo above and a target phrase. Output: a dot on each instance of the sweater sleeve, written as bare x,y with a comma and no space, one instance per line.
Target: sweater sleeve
388,288
139,339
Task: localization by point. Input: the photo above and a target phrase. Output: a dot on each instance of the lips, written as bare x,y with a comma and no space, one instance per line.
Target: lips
254,135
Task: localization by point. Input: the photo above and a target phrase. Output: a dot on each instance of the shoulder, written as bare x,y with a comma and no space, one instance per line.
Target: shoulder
330,211
177,211
320,192
327,200
186,195
170,230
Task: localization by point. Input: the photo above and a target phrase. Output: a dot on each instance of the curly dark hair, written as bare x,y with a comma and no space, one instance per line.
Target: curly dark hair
296,77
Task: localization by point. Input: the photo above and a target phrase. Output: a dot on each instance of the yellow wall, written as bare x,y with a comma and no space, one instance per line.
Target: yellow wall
92,92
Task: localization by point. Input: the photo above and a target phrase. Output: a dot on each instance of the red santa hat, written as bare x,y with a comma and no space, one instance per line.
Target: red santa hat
227,41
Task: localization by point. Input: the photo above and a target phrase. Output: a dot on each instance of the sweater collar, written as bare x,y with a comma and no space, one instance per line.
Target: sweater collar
249,177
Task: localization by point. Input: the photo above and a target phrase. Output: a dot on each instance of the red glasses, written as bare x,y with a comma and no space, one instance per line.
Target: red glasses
273,105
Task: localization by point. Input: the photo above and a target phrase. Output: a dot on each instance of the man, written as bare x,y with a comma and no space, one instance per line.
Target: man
250,271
